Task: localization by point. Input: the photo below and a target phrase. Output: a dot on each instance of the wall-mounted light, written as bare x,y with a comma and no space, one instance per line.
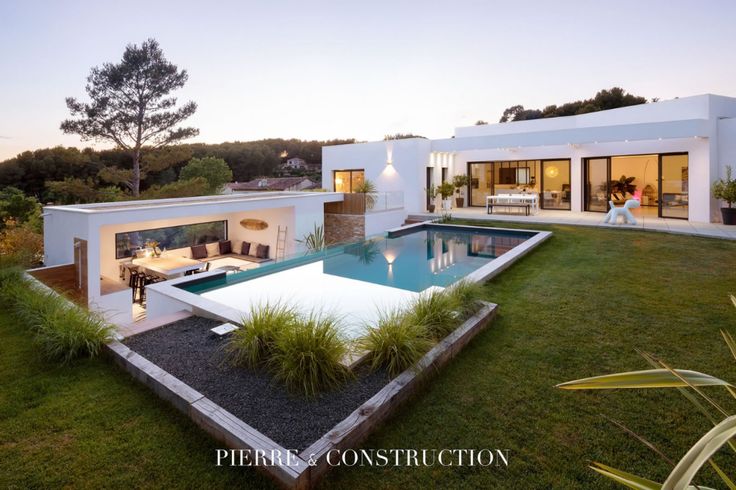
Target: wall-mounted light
551,171
389,154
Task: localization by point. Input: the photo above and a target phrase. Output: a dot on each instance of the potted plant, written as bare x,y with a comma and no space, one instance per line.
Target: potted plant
367,188
460,182
725,189
624,186
431,195
445,190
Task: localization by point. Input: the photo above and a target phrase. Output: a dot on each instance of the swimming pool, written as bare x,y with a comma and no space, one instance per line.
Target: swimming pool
357,280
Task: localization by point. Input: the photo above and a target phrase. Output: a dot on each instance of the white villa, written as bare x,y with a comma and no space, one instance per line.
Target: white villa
666,155
673,150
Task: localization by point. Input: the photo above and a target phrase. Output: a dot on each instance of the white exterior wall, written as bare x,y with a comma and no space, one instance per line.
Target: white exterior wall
405,173
702,126
98,226
59,230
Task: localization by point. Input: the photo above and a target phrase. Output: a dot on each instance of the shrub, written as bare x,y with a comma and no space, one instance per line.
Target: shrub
253,343
307,357
395,343
725,189
20,245
435,311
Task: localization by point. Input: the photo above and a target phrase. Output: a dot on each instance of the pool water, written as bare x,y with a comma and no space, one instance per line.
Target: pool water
415,261
358,280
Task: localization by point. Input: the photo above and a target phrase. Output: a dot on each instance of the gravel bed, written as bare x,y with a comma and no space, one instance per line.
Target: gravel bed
188,350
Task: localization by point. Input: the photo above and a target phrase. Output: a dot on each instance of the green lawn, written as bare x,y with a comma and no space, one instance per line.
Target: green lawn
578,306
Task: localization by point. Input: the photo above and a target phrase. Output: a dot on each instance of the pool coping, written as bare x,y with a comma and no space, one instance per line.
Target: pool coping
311,464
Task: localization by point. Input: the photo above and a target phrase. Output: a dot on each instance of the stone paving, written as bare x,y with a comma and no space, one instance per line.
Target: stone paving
645,221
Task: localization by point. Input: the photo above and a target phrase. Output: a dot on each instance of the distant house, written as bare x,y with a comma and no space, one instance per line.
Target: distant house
272,184
295,163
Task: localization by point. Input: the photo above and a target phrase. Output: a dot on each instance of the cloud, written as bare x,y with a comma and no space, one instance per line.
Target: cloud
5,137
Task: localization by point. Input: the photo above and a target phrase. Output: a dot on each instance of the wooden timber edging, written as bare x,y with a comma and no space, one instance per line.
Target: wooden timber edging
366,418
213,419
311,464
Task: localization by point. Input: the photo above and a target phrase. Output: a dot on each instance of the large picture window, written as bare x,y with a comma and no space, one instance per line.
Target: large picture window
348,180
171,237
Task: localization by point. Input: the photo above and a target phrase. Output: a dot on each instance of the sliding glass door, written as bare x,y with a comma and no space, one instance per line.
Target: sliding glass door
556,184
596,184
673,176
481,182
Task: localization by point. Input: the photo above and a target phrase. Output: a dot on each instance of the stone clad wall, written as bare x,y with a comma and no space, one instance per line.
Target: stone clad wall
344,228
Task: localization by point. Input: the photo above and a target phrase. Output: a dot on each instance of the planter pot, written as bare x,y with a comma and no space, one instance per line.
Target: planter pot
459,201
729,216
430,208
446,204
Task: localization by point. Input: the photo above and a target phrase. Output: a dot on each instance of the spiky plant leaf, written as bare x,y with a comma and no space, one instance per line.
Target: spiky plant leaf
651,378
628,479
700,453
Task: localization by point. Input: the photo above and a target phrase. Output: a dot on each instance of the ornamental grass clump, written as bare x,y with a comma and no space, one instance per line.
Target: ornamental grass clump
435,312
307,356
465,297
61,329
253,343
65,332
11,279
395,343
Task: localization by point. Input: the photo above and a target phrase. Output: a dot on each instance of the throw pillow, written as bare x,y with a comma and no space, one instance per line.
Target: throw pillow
213,249
199,252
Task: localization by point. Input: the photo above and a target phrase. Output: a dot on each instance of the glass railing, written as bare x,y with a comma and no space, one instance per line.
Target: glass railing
383,201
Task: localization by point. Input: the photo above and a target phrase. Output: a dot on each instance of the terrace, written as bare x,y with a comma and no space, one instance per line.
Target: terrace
501,389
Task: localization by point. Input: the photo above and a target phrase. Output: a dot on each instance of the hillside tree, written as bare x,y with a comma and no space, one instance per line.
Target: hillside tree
131,106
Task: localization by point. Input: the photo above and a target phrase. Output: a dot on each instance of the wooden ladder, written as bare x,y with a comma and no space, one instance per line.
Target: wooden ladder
280,243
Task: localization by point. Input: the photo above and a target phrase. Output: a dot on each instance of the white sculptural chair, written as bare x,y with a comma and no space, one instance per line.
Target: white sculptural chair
623,211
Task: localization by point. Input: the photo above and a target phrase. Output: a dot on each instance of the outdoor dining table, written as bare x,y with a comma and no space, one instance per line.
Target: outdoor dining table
500,199
168,267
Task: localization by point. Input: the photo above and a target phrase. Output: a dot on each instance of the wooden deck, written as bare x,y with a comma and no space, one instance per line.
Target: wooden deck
62,279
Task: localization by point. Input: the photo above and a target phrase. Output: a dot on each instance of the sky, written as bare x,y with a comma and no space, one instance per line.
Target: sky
359,69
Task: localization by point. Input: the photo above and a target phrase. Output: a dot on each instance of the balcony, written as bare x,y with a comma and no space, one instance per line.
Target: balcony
373,202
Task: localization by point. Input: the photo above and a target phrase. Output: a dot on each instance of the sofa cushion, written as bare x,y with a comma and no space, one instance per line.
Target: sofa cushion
213,249
199,252
253,249
225,247
245,248
262,251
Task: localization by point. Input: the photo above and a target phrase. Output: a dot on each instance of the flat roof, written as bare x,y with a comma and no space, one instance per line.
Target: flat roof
107,207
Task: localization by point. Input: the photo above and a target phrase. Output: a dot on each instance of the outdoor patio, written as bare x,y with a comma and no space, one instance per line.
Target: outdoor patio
645,221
